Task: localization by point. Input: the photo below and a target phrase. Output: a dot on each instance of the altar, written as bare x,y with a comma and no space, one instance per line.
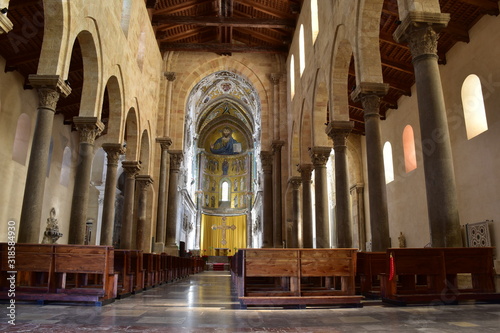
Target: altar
221,252
222,235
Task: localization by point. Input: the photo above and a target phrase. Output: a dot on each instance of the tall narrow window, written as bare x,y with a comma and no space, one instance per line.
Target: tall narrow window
225,191
125,19
314,20
302,50
65,167
21,140
473,104
409,149
388,165
292,77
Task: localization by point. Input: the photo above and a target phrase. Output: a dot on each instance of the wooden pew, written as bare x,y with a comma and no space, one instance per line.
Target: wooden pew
370,266
76,273
298,277
430,275
126,273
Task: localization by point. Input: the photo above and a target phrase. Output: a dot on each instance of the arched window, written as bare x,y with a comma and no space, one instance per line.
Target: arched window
292,77
225,191
302,50
21,140
314,20
141,52
388,165
473,104
65,167
409,149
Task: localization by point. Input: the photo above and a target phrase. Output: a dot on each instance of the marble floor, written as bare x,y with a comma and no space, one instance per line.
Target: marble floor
206,302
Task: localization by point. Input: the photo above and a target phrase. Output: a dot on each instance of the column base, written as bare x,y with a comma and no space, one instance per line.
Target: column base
171,250
159,247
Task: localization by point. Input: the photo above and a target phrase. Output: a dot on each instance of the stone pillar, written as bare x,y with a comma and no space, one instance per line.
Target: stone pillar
113,151
49,88
170,76
143,229
275,78
176,158
361,216
369,94
161,218
293,232
338,131
420,30
319,157
89,128
307,228
277,199
131,169
267,199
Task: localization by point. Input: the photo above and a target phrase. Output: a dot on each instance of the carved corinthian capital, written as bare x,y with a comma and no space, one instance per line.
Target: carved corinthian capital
89,128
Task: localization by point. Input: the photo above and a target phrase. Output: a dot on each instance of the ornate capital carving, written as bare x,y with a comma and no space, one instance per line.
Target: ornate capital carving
131,168
113,151
276,145
143,181
176,157
275,78
295,182
48,98
305,171
338,131
170,76
421,30
267,161
164,142
370,93
320,155
89,128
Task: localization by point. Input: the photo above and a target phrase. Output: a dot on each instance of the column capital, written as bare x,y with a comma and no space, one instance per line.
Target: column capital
295,182
275,78
51,82
176,157
6,25
420,30
305,171
338,131
170,76
131,168
369,89
89,128
143,181
165,142
113,151
320,155
266,158
276,145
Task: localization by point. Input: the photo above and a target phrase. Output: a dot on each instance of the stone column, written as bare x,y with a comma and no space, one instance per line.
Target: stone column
307,228
170,76
49,88
275,78
131,169
277,199
143,229
420,30
338,131
89,128
293,234
113,151
369,94
361,216
267,199
173,209
319,157
161,218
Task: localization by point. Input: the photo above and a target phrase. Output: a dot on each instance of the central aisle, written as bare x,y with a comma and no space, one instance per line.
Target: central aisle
207,303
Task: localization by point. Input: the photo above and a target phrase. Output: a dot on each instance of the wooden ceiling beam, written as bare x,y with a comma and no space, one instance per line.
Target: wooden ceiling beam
399,66
489,7
260,36
185,5
221,48
209,21
457,31
264,8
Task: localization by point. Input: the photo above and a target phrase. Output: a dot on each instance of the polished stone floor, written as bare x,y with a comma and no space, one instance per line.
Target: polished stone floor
206,302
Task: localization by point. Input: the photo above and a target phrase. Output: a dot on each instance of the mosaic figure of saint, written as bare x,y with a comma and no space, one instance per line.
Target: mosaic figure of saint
225,144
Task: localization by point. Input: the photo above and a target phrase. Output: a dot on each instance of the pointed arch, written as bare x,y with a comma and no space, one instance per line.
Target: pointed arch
131,135
320,110
341,59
